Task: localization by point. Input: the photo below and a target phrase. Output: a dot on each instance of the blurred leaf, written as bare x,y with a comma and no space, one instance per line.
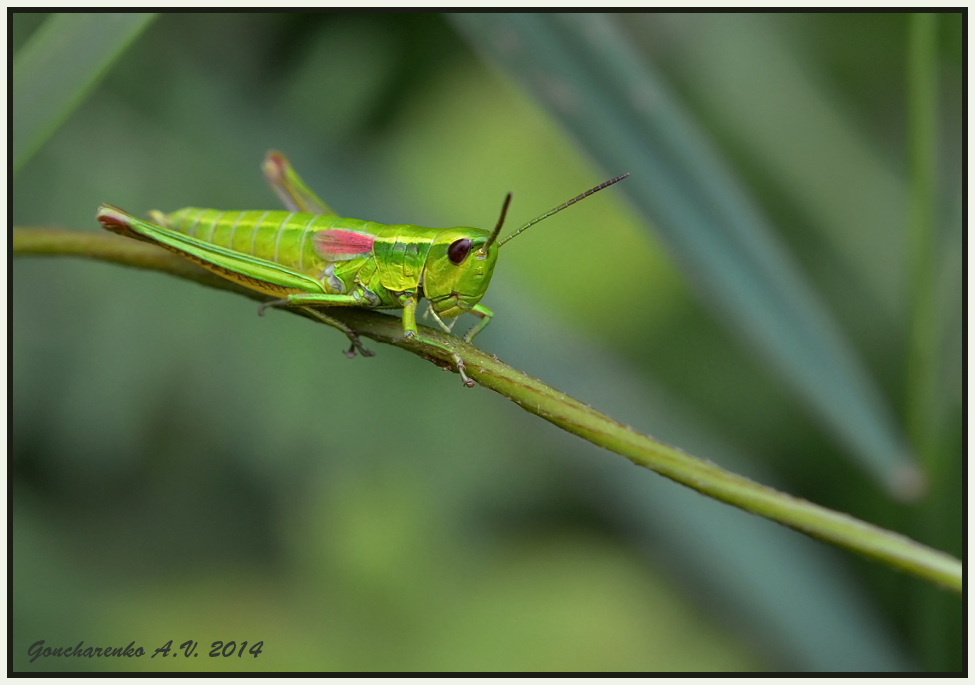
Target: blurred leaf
59,66
334,64
589,77
776,108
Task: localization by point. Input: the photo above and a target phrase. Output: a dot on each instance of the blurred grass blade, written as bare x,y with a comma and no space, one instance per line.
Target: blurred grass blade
59,66
582,68
776,107
922,357
924,338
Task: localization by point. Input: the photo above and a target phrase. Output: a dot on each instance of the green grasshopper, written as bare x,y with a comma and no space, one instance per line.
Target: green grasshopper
308,256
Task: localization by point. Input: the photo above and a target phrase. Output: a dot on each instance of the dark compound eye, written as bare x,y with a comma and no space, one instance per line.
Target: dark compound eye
458,251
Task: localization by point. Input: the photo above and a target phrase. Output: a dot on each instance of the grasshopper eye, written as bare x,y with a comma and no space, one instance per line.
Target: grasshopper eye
458,251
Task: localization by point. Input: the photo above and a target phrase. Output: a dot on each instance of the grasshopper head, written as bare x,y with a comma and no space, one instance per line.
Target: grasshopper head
461,261
458,270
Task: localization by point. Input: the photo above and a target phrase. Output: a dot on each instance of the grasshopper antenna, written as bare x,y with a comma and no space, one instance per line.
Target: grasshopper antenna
497,229
558,209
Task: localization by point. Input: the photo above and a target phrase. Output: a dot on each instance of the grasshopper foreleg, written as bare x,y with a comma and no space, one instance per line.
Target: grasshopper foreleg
408,300
447,327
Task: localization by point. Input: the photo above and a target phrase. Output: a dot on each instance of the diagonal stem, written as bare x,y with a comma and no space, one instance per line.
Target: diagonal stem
538,398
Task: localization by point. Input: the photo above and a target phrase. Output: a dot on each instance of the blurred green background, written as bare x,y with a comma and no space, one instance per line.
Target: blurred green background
181,469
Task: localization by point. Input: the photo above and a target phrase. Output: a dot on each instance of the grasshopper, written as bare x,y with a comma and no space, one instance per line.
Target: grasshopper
308,256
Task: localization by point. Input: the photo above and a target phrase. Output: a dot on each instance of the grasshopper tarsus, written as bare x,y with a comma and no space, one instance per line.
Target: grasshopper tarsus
356,345
462,370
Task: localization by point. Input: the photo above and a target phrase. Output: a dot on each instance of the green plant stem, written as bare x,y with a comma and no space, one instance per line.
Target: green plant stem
553,406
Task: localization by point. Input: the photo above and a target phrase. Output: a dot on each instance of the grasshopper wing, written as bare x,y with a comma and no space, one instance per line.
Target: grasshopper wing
341,244
247,270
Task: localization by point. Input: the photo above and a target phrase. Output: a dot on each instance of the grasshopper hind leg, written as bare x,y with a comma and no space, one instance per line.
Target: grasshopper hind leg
326,319
349,333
